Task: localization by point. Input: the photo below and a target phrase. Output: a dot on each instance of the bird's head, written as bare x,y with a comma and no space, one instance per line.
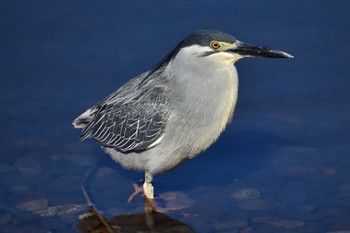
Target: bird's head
221,46
217,47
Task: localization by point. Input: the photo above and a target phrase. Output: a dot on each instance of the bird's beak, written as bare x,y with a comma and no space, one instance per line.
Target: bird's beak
247,50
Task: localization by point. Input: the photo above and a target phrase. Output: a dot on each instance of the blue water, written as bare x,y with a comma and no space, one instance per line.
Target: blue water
289,139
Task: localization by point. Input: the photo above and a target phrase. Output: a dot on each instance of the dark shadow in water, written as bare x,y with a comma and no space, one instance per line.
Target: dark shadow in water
150,221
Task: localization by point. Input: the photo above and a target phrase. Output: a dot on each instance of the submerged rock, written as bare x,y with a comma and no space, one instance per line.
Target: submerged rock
5,219
230,225
176,200
61,210
279,222
40,207
297,171
19,189
31,143
245,194
257,205
77,159
293,196
28,165
348,231
4,167
34,205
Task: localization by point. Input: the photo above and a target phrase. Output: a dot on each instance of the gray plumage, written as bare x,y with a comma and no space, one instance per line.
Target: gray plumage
174,111
131,119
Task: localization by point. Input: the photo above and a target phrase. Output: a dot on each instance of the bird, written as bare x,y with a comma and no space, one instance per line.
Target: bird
175,111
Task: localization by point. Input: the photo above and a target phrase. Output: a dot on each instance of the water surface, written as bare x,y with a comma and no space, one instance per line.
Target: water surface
281,166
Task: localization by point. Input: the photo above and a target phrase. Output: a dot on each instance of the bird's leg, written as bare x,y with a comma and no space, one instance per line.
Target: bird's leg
148,193
147,186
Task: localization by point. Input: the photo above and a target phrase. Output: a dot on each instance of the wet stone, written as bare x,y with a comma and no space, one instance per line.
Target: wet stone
245,194
61,210
108,180
202,227
25,201
4,168
296,171
345,188
67,230
274,229
77,148
31,143
313,227
23,219
18,178
176,200
348,231
337,223
19,189
306,208
56,188
207,211
279,222
177,229
5,218
221,195
320,198
229,231
115,196
34,205
247,230
28,165
70,218
66,179
334,211
23,229
231,225
53,223
62,199
290,212
293,196
341,200
236,213
77,159
257,205
104,171
59,167
265,178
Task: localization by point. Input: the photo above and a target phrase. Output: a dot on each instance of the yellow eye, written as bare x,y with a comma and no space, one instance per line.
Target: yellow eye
215,44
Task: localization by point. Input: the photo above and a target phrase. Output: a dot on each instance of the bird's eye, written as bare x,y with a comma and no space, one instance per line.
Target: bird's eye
215,44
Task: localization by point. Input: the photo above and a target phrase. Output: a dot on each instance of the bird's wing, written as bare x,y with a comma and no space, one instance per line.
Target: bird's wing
132,118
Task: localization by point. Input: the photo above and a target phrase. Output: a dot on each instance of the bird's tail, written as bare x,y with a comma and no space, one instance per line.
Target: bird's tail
84,119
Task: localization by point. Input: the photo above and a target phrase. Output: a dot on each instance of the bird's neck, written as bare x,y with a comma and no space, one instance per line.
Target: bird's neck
207,93
203,81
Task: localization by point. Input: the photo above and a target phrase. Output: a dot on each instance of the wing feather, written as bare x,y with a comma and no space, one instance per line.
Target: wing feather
130,119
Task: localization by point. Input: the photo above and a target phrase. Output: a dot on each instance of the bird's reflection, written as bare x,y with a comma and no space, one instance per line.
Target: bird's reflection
149,221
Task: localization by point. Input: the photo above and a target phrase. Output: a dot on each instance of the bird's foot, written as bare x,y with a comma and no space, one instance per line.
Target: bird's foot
138,189
147,189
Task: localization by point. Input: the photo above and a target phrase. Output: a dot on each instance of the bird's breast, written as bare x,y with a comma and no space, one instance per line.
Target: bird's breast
203,106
